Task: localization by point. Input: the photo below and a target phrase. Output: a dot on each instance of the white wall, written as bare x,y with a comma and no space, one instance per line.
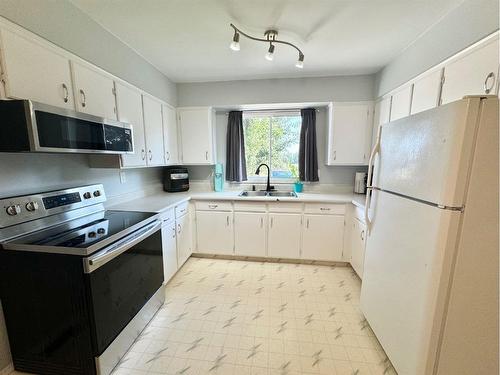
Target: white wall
234,93
62,23
471,21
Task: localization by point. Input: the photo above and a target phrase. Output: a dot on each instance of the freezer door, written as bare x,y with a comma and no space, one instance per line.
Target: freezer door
427,156
407,266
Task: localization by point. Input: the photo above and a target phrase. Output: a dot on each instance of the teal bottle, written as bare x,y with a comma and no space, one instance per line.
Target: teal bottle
218,178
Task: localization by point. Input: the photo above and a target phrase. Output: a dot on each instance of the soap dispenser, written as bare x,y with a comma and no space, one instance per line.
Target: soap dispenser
218,177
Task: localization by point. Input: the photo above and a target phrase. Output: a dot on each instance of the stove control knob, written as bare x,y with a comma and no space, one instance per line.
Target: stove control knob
92,234
87,195
101,231
32,206
13,210
97,193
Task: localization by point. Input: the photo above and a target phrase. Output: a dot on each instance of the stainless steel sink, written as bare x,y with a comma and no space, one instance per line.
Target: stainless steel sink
283,194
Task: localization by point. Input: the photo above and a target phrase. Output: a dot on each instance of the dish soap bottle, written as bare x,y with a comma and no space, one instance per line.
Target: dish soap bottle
218,178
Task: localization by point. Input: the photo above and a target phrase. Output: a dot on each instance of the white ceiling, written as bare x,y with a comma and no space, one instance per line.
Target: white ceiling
188,40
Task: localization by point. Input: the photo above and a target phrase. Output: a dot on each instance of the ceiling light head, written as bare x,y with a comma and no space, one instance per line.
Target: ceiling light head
235,44
270,52
300,62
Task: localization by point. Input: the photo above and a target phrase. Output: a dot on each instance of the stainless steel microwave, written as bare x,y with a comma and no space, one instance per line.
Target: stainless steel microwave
35,127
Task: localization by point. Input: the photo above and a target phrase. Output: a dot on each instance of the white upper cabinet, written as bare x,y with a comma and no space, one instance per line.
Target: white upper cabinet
170,135
401,103
426,92
381,115
349,133
129,107
153,124
35,71
474,73
197,135
94,91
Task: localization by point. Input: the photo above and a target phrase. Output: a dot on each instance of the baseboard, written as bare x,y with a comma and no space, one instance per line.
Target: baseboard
7,369
271,260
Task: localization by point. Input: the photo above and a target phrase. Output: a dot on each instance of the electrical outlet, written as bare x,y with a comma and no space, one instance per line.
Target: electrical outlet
123,177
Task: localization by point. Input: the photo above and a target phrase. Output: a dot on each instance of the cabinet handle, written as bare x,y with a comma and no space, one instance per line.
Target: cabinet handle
488,88
143,154
66,93
150,155
84,98
168,155
227,220
179,228
362,235
206,155
261,222
173,232
272,221
213,206
307,223
334,155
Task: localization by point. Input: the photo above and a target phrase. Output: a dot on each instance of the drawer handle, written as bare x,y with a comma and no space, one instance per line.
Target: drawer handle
66,93
362,235
84,98
488,88
213,206
325,209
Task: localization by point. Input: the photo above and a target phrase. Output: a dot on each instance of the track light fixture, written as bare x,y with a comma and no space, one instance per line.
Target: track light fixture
269,37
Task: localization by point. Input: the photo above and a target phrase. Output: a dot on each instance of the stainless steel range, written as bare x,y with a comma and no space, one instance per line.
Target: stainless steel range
78,283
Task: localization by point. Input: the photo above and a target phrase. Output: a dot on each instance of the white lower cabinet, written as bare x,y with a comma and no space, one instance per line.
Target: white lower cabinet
250,233
184,238
284,235
169,246
358,242
214,232
323,237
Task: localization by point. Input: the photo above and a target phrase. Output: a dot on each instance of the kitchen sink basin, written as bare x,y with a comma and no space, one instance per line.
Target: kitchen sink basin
282,194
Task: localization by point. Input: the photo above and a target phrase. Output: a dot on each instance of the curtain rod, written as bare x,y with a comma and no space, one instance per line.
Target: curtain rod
273,110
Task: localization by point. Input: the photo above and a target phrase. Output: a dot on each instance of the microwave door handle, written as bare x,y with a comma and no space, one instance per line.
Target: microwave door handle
112,251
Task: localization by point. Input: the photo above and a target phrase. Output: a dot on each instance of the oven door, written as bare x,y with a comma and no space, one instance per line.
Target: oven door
122,278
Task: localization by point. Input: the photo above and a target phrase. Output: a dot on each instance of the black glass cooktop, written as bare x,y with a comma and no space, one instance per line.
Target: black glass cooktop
86,231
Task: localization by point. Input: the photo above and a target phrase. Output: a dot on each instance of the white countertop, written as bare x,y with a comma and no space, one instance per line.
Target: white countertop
162,201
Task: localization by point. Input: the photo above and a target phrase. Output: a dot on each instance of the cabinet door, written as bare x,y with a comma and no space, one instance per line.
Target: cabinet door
401,103
129,107
381,115
214,232
184,239
170,135
197,137
358,240
153,125
350,130
94,91
250,233
33,71
284,235
323,237
426,92
472,74
169,247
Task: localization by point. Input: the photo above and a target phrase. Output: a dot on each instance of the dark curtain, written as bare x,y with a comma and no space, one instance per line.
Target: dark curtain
236,168
308,151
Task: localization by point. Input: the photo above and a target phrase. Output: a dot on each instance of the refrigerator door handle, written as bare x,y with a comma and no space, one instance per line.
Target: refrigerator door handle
369,181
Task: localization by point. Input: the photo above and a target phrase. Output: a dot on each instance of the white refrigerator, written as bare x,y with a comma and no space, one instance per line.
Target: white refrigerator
430,282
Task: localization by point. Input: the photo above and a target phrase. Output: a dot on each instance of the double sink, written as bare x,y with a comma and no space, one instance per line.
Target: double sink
278,194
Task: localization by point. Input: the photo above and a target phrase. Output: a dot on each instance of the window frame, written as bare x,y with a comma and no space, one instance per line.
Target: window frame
271,114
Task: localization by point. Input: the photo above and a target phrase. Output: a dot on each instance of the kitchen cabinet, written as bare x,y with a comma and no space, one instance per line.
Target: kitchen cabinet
31,70
323,237
214,232
426,91
129,107
401,103
170,135
474,73
358,243
153,124
250,233
183,238
197,135
94,91
169,247
349,133
284,235
381,115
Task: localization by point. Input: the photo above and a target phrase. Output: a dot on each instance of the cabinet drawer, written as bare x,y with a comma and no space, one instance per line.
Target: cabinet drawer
249,207
285,207
181,209
213,206
168,215
325,208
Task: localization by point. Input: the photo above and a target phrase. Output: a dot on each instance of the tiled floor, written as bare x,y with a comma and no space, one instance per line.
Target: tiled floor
236,317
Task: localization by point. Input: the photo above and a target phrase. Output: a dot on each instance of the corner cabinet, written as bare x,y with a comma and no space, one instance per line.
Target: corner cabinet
349,133
197,135
170,135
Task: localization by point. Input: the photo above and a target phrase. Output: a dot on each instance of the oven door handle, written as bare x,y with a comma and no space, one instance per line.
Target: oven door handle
102,257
